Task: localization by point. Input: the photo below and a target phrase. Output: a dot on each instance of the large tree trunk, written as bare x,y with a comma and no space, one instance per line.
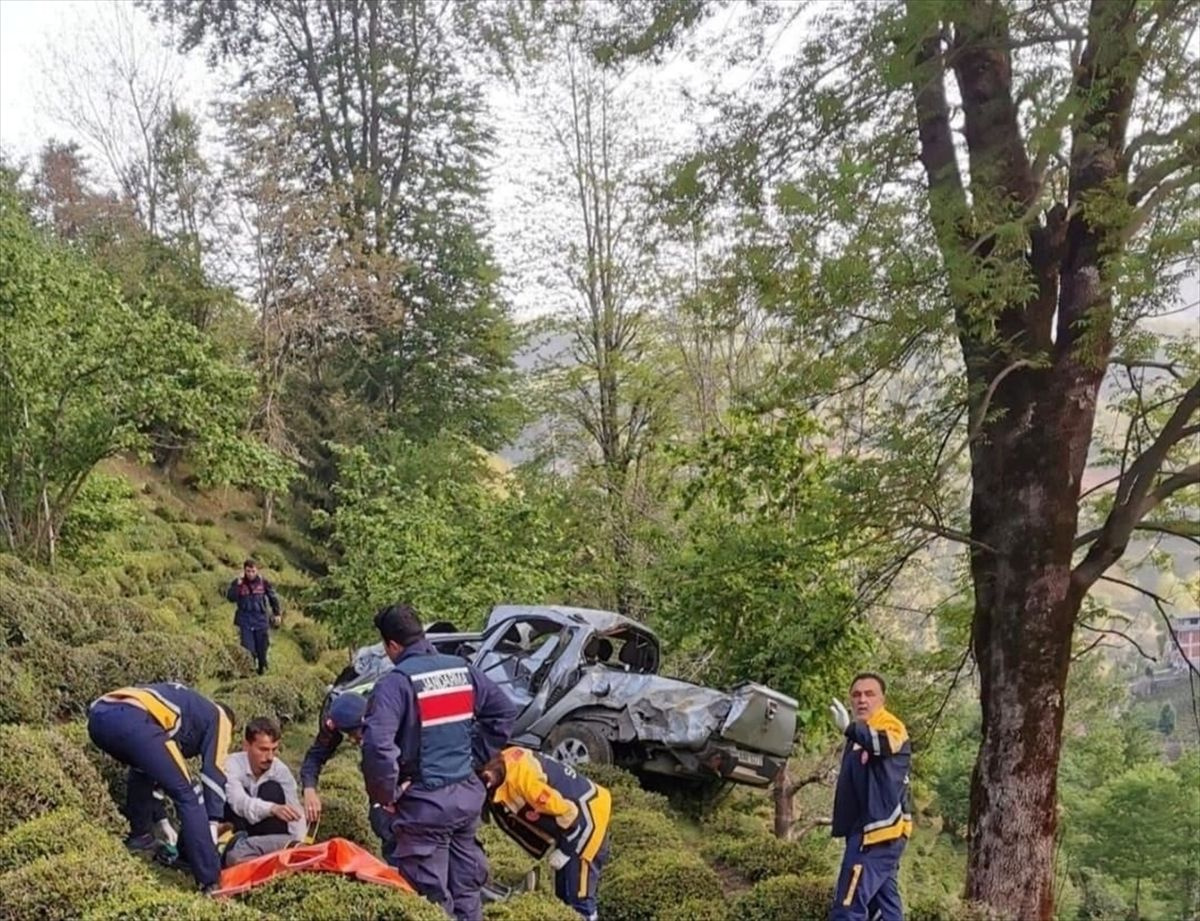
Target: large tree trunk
1026,477
1034,379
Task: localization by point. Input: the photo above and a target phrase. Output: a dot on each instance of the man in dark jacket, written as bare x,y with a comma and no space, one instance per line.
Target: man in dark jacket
153,729
253,595
341,719
871,805
430,723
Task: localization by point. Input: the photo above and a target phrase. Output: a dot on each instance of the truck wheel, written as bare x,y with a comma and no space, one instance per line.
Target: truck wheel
575,743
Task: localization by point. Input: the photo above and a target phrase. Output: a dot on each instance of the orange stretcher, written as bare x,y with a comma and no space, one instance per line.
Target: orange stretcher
337,855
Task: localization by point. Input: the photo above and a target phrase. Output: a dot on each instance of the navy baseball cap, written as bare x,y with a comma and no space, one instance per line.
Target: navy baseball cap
347,711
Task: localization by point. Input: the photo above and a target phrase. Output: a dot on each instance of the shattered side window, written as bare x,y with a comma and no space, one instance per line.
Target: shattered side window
628,651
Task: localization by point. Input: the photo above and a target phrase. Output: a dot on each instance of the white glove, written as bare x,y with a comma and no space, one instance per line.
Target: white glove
168,832
841,718
212,830
558,859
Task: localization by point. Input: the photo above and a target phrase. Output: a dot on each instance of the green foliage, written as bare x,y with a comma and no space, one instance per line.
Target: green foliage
103,507
761,856
40,772
458,543
635,888
694,910
763,582
86,375
344,805
530,906
329,897
508,863
21,697
783,898
639,830
141,903
312,638
1141,825
288,698
60,887
54,832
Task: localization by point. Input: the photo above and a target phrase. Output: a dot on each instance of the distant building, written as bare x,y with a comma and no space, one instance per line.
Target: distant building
1187,630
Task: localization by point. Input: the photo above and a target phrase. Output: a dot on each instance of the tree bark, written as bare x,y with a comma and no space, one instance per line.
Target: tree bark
1026,484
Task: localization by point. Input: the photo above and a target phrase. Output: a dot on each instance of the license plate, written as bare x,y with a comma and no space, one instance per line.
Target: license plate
751,758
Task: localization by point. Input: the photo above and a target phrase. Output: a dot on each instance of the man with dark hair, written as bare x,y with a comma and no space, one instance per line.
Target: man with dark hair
253,595
871,805
153,728
430,723
262,804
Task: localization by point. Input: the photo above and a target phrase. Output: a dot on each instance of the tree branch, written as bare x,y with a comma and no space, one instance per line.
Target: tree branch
959,537
1125,636
1170,367
1136,494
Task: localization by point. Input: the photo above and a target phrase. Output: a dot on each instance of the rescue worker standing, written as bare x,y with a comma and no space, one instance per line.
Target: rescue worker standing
871,805
549,808
153,728
253,595
430,723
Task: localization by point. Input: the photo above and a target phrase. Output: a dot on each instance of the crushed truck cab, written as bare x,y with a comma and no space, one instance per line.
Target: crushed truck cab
587,689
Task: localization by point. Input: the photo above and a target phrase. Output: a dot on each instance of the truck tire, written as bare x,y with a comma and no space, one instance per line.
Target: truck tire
576,743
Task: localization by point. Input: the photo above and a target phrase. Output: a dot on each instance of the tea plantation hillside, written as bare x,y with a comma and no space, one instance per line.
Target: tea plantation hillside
139,598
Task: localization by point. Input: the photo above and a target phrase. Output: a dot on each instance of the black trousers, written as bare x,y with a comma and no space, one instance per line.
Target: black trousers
272,792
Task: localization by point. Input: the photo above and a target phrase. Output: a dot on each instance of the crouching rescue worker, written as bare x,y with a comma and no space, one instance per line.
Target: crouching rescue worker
341,719
262,803
430,723
549,808
871,806
153,728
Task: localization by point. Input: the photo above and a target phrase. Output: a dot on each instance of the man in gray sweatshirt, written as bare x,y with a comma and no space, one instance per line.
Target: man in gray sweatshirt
262,802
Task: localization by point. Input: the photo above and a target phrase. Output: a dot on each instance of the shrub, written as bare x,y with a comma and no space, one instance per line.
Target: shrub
507,861
344,806
113,774
636,829
187,594
288,698
55,832
329,897
530,906
634,890
62,886
312,638
80,674
694,910
145,903
86,777
760,857
785,898
21,698
32,781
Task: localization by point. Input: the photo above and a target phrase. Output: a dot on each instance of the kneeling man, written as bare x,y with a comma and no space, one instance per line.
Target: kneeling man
262,802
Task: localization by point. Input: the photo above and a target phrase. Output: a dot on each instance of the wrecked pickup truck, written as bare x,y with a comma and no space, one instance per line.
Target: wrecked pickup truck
587,689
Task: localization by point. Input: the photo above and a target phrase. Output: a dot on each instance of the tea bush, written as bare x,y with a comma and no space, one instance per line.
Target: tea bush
635,889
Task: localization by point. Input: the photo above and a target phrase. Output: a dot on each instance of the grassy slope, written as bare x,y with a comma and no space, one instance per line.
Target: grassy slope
147,604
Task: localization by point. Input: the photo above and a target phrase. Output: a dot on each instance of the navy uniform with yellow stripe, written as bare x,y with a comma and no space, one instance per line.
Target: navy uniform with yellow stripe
549,808
872,811
153,728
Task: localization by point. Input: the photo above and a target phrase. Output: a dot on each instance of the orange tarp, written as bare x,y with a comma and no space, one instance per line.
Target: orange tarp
336,855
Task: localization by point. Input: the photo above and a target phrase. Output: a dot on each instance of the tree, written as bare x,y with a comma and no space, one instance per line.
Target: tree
1166,719
375,109
1038,245
609,385
86,376
437,521
1134,829
117,90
